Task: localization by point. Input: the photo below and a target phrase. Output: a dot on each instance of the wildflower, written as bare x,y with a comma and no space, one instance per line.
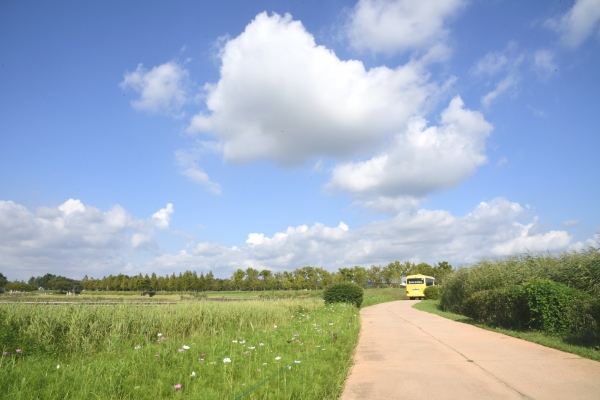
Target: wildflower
258,370
319,346
157,355
5,353
181,350
277,358
251,347
297,361
177,387
227,360
18,350
234,341
261,344
242,342
292,316
186,347
275,326
213,363
295,334
159,334
202,354
137,347
58,366
136,387
297,341
201,359
193,374
264,363
331,323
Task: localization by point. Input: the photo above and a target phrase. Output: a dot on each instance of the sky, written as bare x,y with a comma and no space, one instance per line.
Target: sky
152,136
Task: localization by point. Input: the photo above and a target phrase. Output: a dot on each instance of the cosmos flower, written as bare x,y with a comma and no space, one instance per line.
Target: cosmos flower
137,347
193,374
159,334
277,358
227,360
177,387
186,347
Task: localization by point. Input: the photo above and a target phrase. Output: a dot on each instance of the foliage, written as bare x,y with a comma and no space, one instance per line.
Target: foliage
378,296
345,292
433,292
3,280
20,287
579,270
541,305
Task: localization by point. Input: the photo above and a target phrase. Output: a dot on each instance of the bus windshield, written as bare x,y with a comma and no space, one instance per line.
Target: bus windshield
415,281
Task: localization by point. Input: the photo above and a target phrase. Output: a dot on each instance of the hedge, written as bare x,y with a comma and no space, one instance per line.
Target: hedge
542,305
344,293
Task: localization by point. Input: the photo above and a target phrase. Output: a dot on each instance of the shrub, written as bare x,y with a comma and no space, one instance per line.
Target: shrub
345,292
578,270
542,305
433,292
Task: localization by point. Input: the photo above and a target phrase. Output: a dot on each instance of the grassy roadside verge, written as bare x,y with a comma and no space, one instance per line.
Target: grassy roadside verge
233,348
558,342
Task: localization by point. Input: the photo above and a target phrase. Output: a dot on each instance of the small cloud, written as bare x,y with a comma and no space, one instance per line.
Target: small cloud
187,160
162,217
501,87
577,24
163,90
501,162
571,222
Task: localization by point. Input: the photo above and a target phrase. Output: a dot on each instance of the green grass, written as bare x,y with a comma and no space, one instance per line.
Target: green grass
95,348
560,342
377,296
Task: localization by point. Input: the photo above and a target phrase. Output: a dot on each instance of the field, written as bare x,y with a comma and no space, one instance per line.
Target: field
201,349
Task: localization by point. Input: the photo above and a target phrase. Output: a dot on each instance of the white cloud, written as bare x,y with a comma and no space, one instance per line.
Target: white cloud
578,24
188,162
282,98
500,88
493,229
163,89
420,161
544,63
501,162
163,216
70,239
395,25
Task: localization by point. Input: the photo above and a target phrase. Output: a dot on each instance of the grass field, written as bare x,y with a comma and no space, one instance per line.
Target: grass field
559,342
214,350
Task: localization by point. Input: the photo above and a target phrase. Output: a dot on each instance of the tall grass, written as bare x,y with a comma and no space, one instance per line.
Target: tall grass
70,329
579,270
277,349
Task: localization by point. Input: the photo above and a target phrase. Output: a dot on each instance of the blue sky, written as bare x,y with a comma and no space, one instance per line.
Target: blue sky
146,136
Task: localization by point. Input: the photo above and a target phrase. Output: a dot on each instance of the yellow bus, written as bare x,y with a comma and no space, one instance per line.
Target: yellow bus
416,284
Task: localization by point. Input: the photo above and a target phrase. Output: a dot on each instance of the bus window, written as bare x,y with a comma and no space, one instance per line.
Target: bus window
415,281
429,282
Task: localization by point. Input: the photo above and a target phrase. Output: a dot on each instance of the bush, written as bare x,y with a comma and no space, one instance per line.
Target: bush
344,293
433,292
578,270
542,305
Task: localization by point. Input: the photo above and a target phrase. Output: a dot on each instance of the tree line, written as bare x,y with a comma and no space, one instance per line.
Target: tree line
250,279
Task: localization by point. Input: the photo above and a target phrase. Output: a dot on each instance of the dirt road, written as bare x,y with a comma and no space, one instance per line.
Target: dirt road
404,353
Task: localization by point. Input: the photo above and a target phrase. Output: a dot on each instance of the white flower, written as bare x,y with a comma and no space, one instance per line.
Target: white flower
227,360
136,387
275,326
297,361
261,344
213,362
278,358
137,347
193,374
159,334
264,363
58,367
251,347
242,342
186,347
234,341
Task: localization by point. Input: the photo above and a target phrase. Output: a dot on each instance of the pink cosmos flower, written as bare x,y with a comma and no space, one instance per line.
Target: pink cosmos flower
157,355
18,350
181,350
246,352
177,387
5,353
